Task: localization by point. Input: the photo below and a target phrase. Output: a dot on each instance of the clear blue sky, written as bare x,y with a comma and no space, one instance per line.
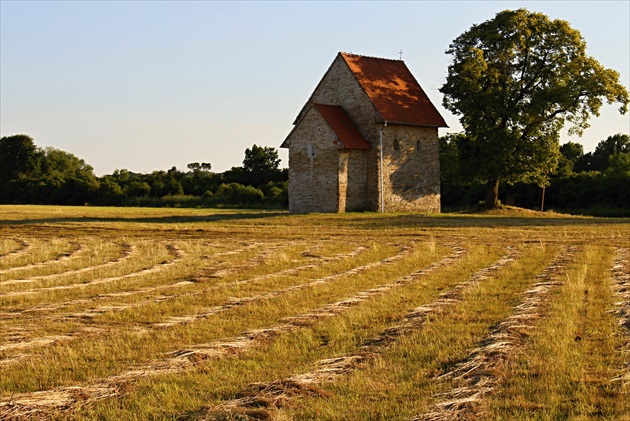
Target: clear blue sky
150,85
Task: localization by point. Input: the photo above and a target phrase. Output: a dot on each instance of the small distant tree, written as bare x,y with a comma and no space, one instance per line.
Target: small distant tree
261,164
570,154
199,179
197,167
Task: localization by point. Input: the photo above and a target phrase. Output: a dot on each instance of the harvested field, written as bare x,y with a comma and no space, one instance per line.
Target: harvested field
228,315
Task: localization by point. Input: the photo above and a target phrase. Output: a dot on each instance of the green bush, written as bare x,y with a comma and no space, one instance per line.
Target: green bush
238,194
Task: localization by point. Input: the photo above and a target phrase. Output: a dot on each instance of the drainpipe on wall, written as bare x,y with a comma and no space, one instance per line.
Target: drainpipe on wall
380,141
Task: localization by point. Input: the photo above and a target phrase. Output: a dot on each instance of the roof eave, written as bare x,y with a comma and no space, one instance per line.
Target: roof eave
358,149
403,123
366,148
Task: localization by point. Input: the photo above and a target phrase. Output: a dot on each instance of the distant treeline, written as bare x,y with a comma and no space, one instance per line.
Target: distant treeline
31,175
592,183
595,183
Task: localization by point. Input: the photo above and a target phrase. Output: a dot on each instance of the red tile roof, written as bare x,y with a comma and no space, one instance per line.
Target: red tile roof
394,91
345,129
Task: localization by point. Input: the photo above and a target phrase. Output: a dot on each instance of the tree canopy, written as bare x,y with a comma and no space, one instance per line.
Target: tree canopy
611,149
515,81
29,174
18,156
261,165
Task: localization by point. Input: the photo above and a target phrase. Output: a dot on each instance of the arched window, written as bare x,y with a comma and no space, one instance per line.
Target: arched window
418,145
396,145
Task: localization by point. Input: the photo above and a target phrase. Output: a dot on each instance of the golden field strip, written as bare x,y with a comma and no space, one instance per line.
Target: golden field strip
198,314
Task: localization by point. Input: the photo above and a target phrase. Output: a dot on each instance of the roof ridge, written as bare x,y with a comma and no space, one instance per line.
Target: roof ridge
327,105
373,57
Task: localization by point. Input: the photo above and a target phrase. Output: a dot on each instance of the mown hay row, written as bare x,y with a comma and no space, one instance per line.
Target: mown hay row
621,287
261,397
289,271
49,307
129,251
22,248
75,252
92,312
28,344
237,302
176,255
480,372
87,314
38,404
192,280
250,263
252,338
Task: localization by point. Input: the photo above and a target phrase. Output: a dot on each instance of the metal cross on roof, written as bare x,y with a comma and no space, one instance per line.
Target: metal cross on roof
400,52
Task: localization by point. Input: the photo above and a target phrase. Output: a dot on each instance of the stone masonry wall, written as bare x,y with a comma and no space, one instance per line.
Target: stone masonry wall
352,180
313,181
340,87
411,165
356,168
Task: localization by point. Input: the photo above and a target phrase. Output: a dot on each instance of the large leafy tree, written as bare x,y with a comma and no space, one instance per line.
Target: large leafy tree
515,81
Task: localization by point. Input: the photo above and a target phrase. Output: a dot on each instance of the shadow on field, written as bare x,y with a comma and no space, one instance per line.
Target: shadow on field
377,221
358,220
172,219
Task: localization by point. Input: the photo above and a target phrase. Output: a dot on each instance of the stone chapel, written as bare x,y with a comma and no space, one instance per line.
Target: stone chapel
366,139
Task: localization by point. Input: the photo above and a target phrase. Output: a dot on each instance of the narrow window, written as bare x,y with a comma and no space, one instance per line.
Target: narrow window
418,145
396,145
311,151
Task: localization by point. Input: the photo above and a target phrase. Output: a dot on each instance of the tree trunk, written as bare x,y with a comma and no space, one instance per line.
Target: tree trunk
492,194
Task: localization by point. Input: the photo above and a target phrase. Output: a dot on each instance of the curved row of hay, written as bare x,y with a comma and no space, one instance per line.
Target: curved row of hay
268,327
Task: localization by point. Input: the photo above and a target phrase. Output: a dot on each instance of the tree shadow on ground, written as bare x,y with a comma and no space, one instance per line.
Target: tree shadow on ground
170,219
